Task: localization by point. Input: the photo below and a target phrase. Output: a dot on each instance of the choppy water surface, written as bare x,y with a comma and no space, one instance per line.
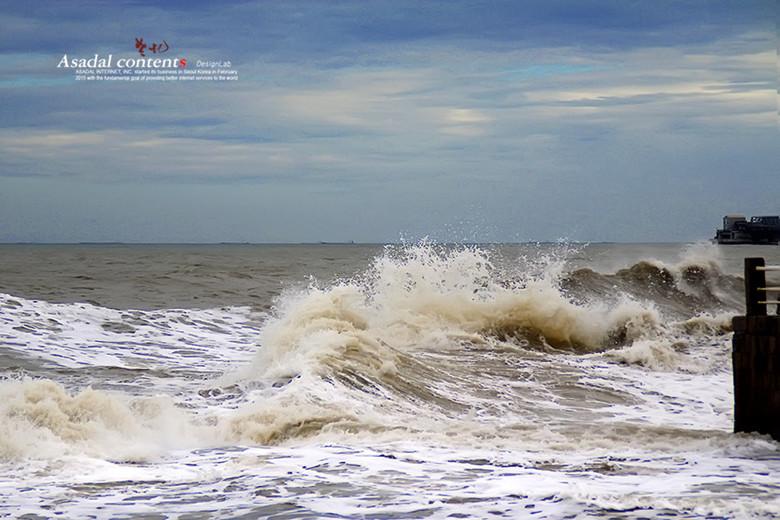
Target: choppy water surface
416,381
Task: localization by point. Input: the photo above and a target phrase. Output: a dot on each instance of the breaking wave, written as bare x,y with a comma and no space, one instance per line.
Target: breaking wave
425,295
443,332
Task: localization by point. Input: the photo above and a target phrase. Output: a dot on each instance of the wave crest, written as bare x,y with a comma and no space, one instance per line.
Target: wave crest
428,298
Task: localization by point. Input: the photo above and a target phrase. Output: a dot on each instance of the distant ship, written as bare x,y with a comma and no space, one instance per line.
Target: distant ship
760,230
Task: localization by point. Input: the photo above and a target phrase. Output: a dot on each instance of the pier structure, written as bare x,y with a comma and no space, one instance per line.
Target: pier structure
756,354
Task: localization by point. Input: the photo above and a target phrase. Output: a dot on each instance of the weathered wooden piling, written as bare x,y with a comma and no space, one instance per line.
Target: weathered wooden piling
756,356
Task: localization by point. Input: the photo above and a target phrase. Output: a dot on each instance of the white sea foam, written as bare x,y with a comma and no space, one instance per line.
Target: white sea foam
84,335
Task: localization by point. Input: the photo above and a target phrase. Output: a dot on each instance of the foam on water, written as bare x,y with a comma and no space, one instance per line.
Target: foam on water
405,481
77,335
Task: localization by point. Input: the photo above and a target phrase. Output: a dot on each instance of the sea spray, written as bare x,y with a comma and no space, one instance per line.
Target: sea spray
423,296
356,355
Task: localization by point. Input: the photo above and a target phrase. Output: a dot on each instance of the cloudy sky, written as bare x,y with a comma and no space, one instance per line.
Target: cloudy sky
374,121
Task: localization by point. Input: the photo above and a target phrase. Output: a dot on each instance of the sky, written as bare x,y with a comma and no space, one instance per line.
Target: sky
379,121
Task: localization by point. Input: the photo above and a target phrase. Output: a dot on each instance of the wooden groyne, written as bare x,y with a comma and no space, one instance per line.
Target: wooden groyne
756,355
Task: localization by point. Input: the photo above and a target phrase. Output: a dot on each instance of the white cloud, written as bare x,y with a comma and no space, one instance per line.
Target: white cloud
359,98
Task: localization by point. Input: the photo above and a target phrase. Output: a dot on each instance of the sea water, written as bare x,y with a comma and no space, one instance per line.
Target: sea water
350,381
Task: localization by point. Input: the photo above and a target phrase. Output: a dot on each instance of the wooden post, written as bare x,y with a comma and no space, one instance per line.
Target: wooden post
755,280
756,360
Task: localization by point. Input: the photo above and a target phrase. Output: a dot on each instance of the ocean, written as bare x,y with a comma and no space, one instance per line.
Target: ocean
375,382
